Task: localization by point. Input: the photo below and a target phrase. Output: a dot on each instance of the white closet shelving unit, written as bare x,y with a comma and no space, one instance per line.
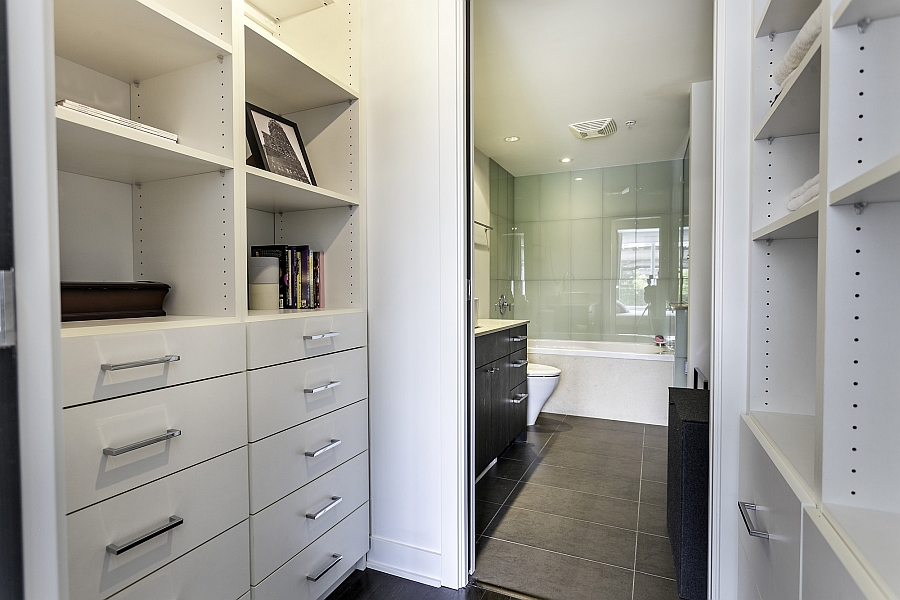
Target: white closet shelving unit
823,380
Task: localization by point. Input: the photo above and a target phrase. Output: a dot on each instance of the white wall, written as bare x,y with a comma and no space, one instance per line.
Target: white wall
481,211
417,224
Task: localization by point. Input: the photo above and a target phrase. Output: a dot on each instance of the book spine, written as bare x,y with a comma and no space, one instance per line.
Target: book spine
304,276
317,301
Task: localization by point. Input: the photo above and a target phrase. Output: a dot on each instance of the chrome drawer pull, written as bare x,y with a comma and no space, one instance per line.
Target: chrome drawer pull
520,363
322,388
520,398
520,338
323,449
168,435
169,358
335,559
174,521
335,500
322,336
744,507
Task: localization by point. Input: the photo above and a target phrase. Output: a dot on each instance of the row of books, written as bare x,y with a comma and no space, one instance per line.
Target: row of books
300,274
116,119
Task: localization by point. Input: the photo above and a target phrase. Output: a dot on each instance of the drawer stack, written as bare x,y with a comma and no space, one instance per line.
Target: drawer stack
156,463
308,453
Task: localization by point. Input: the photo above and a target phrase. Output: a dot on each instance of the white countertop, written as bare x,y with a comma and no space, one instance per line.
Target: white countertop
486,326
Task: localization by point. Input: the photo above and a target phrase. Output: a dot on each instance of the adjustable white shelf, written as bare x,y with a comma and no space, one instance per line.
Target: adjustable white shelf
796,111
802,223
275,315
851,12
276,194
99,148
795,437
879,184
73,329
785,15
874,536
132,40
282,81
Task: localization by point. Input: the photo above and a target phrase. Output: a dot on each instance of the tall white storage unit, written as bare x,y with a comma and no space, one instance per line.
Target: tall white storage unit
819,447
240,438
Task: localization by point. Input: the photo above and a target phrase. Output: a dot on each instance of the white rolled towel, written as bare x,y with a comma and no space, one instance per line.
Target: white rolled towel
799,48
802,189
808,196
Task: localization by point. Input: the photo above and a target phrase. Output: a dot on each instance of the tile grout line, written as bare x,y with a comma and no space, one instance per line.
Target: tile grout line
637,536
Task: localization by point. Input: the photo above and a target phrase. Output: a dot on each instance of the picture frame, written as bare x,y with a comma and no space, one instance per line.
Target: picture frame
276,145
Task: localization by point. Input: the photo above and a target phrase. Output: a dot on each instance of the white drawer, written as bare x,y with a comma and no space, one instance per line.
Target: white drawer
279,464
287,395
203,351
775,562
283,340
211,416
211,498
217,570
349,539
746,586
283,529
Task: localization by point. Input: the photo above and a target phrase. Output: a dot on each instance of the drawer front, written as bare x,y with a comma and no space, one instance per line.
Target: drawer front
211,498
211,416
204,352
518,338
217,570
284,340
490,347
349,539
279,464
290,394
284,529
518,374
774,562
746,586
830,569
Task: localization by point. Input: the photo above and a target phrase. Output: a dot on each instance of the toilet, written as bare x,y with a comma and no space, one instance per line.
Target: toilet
542,381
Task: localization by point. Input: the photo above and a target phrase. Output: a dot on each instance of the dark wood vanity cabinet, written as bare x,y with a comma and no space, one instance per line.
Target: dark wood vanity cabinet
500,388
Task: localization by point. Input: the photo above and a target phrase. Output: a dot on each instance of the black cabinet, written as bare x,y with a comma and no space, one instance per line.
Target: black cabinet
500,388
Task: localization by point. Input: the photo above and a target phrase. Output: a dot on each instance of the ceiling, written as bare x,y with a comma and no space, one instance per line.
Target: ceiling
540,65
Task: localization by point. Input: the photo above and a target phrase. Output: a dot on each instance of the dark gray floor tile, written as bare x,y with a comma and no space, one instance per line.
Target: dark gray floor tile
648,587
654,556
537,438
547,575
653,492
604,544
494,489
632,449
549,421
652,519
660,430
471,592
656,454
492,595
484,514
607,465
607,435
584,481
509,469
577,505
654,471
524,451
590,423
654,441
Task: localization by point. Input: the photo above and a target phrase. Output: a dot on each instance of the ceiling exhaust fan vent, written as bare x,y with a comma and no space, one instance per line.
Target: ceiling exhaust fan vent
593,129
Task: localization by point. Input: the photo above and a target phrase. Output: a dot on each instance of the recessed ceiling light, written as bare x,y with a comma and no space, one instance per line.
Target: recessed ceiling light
512,138
630,123
578,179
565,160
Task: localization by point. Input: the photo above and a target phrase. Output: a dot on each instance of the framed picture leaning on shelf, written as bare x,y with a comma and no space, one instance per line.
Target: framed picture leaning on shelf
276,145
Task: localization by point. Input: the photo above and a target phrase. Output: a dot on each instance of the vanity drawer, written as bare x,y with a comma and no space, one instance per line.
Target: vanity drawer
290,394
490,347
774,562
348,539
217,570
96,367
284,529
279,464
210,415
518,368
518,338
210,497
283,340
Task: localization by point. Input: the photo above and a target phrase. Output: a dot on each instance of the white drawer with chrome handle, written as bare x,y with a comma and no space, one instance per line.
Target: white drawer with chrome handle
287,461
118,541
286,395
272,342
309,574
217,570
116,445
288,526
97,367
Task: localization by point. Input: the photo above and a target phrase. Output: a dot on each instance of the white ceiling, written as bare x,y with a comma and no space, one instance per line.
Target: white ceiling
540,65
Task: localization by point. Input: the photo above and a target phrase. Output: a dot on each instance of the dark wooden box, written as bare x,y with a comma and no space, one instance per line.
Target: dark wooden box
87,301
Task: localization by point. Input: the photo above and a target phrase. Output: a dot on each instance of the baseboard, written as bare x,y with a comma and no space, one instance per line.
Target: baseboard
403,560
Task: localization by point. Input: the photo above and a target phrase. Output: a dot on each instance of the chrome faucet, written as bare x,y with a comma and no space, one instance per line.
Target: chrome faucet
503,305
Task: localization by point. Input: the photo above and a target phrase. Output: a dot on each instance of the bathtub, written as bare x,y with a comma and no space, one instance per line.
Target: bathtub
609,380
